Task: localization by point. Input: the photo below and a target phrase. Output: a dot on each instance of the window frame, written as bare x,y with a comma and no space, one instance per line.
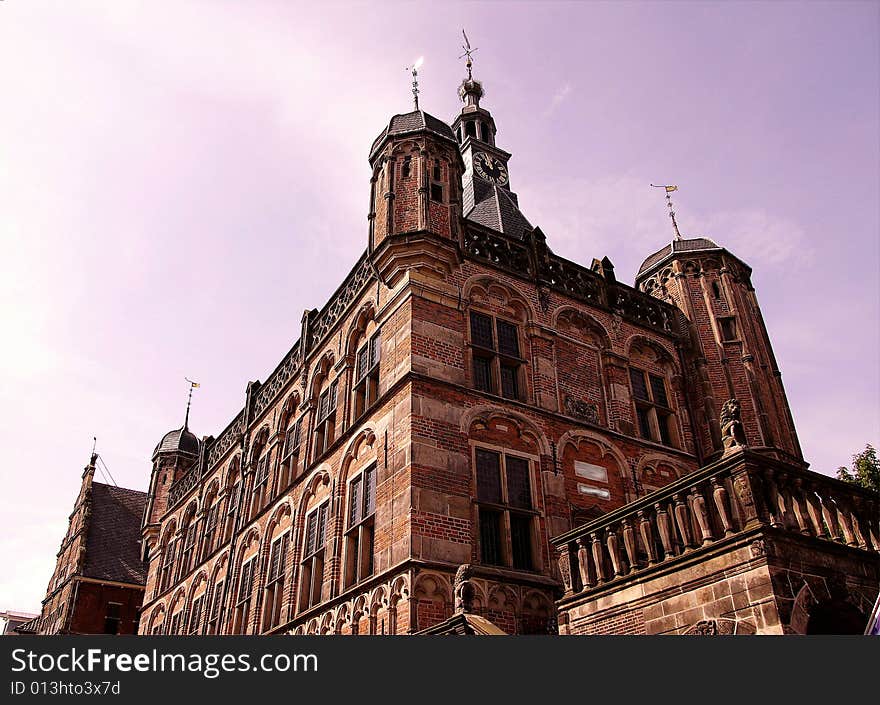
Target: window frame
497,360
212,625
506,511
360,531
275,580
325,419
312,561
365,390
648,411
242,612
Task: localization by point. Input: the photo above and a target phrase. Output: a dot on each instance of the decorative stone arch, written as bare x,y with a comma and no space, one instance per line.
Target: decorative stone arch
188,514
833,612
378,599
322,476
485,413
283,509
536,613
358,328
312,626
653,459
298,631
690,267
399,589
159,611
575,318
232,471
261,438
578,436
178,599
288,410
320,374
637,342
211,493
221,563
502,597
201,577
482,288
342,618
363,442
327,625
168,534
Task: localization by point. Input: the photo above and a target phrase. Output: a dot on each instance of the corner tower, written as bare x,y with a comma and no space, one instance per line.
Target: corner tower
733,355
415,196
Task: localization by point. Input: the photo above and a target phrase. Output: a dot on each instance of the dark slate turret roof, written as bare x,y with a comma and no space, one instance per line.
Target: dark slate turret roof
413,122
674,248
500,212
180,440
113,544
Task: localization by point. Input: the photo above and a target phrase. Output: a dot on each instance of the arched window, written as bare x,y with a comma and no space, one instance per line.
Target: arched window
360,526
366,378
197,607
168,551
233,493
325,421
716,290
212,520
244,594
470,128
654,415
260,492
505,509
496,357
275,579
188,532
484,133
217,594
312,568
406,167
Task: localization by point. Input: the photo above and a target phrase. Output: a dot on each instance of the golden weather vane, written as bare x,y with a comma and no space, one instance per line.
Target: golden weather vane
467,53
192,385
415,84
670,189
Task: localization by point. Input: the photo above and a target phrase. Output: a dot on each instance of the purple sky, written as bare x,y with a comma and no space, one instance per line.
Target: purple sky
178,181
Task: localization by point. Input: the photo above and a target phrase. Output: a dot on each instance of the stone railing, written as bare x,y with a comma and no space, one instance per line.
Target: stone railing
179,489
731,496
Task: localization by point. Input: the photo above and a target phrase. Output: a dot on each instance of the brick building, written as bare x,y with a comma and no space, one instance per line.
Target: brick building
97,586
464,397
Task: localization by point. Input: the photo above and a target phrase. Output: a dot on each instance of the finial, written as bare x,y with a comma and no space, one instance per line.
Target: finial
192,385
415,84
467,53
670,189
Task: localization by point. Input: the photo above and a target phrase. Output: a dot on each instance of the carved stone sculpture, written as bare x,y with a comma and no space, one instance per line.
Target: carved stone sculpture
463,589
732,434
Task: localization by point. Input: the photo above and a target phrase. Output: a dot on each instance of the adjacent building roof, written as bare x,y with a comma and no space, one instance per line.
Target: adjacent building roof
465,624
179,440
113,544
676,247
413,122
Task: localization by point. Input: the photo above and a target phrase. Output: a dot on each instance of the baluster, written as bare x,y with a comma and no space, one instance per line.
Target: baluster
647,536
776,519
665,530
681,520
613,550
871,520
785,502
844,523
858,523
598,560
565,568
797,500
698,503
828,513
629,542
719,494
814,511
584,562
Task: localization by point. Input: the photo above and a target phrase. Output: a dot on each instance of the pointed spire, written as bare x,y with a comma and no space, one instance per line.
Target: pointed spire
415,84
670,189
192,385
470,91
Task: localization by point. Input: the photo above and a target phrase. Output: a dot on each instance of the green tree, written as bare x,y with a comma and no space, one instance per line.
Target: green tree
865,470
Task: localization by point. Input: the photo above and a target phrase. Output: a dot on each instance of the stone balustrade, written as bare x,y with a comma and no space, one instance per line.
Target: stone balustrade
717,503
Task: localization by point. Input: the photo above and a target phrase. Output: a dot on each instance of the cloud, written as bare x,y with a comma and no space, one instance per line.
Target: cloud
558,99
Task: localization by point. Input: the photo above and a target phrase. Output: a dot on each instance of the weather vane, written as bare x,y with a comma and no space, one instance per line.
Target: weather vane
467,53
670,189
415,84
192,385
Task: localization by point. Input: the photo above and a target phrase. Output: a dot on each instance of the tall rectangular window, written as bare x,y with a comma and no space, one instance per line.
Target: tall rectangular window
290,457
211,522
189,545
275,582
325,424
312,568
195,615
243,597
496,358
214,616
175,622
505,509
359,536
366,384
167,565
655,418
231,506
112,618
261,484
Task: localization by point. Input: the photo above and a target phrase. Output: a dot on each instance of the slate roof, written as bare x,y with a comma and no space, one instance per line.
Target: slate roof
180,439
675,247
413,122
500,212
113,544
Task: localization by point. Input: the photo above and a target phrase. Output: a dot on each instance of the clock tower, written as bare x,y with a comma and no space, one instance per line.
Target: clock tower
486,195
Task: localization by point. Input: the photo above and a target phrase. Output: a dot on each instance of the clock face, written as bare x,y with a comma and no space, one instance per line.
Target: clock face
490,168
